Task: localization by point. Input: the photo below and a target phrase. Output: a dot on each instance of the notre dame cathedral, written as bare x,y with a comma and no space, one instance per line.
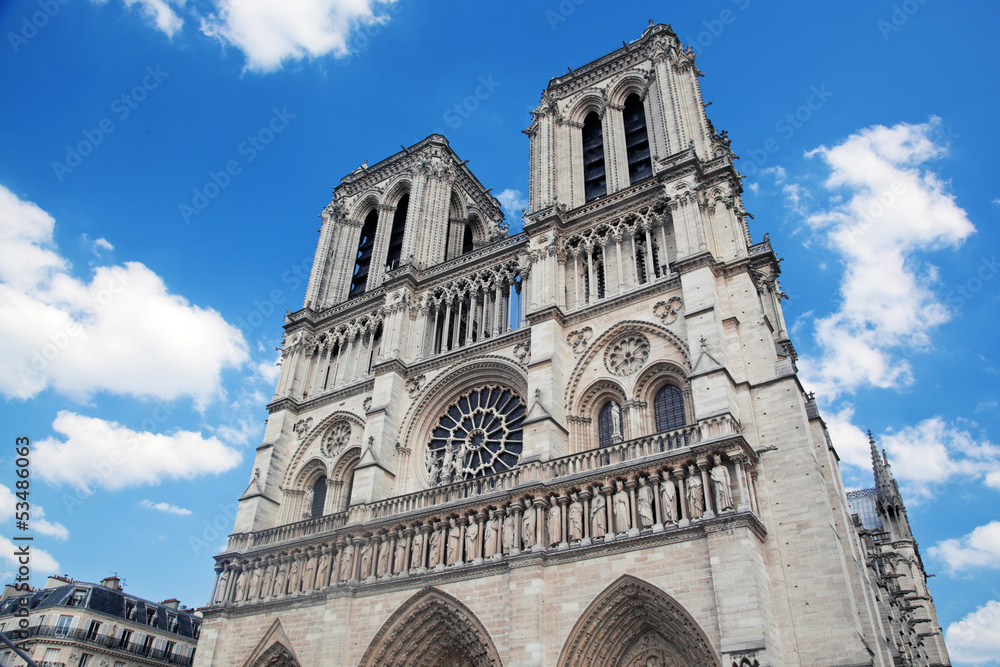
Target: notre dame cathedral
584,444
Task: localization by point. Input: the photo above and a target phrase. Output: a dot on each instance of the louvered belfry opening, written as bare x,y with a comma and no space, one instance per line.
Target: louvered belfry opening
398,229
366,243
594,180
640,167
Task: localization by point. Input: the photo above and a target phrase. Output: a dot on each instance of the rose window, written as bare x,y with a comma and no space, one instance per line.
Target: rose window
479,434
628,355
336,438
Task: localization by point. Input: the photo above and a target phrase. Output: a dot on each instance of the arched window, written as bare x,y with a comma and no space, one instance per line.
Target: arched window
318,497
467,239
363,259
636,140
669,409
396,236
609,424
348,486
375,349
594,182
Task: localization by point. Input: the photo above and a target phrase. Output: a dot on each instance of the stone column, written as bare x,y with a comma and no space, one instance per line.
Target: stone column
541,539
608,492
681,496
585,498
563,521
706,489
630,484
516,542
618,250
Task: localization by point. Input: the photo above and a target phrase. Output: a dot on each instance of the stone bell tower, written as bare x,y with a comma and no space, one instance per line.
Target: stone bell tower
584,444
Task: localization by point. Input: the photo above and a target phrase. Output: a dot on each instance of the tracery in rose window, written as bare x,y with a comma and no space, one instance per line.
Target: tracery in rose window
478,434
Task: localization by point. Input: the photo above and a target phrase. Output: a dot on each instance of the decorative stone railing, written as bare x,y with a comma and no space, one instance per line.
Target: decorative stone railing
646,486
291,531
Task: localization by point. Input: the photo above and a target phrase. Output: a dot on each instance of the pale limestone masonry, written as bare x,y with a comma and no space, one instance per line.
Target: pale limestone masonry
583,444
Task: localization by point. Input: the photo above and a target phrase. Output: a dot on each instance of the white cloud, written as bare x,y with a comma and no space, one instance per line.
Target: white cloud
512,202
42,562
102,244
270,33
976,638
94,452
121,332
165,507
894,207
37,521
978,549
161,14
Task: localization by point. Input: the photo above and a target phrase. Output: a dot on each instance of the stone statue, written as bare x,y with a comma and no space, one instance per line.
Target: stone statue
695,495
309,574
254,589
346,563
644,504
528,525
294,572
721,490
220,593
622,513
366,559
575,519
241,586
554,524
598,516
323,569
279,580
668,500
616,423
453,550
416,554
382,565
399,562
435,555
307,505
491,538
471,538
265,583
508,531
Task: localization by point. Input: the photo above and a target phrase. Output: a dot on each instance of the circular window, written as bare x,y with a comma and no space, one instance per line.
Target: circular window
628,355
479,434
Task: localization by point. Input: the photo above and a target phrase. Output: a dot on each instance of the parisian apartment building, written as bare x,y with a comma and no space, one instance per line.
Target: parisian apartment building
77,624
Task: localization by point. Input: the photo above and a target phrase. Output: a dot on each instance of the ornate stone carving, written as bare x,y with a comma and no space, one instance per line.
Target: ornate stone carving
721,488
522,352
301,427
367,404
627,355
578,339
667,310
415,384
337,437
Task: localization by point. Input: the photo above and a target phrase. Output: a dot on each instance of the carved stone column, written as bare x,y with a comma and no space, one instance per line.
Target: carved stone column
706,489
609,508
681,496
585,498
563,520
737,459
630,484
215,586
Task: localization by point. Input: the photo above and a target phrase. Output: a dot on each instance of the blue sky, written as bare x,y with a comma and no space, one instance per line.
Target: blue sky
163,164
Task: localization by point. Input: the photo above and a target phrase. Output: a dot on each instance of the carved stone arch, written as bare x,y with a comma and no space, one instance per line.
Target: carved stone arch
423,414
395,190
341,480
600,343
590,100
273,650
480,235
631,82
320,431
432,629
631,621
308,472
651,380
596,394
364,205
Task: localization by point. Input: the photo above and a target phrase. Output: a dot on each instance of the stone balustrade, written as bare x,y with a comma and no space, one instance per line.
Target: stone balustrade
635,489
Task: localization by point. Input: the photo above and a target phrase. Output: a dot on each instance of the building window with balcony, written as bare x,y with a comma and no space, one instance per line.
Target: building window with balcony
51,656
594,180
85,659
62,627
94,630
125,639
147,644
119,663
168,651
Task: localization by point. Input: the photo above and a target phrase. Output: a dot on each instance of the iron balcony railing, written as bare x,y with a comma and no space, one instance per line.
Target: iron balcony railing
104,641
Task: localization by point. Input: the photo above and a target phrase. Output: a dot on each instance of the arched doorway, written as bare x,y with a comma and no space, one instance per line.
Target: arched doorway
432,629
635,624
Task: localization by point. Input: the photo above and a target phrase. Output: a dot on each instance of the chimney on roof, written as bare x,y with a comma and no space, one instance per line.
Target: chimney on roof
55,581
10,591
173,603
114,583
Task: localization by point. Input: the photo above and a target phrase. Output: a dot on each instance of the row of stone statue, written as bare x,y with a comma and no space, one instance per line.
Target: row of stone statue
606,512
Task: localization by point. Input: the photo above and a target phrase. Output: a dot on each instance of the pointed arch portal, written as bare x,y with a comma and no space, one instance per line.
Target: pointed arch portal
432,629
635,624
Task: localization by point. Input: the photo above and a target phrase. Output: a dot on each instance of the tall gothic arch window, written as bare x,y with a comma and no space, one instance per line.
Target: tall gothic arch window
467,239
594,181
396,235
609,424
318,497
363,259
669,409
640,167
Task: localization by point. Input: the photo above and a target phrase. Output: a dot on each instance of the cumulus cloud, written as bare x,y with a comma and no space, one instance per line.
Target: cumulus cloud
37,522
976,638
512,202
122,331
42,563
97,453
161,14
165,507
978,549
883,207
272,33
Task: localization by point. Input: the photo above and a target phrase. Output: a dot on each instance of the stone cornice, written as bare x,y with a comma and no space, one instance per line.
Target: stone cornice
650,289
295,407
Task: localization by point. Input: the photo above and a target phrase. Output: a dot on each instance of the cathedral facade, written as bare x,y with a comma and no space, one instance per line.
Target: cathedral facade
581,444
